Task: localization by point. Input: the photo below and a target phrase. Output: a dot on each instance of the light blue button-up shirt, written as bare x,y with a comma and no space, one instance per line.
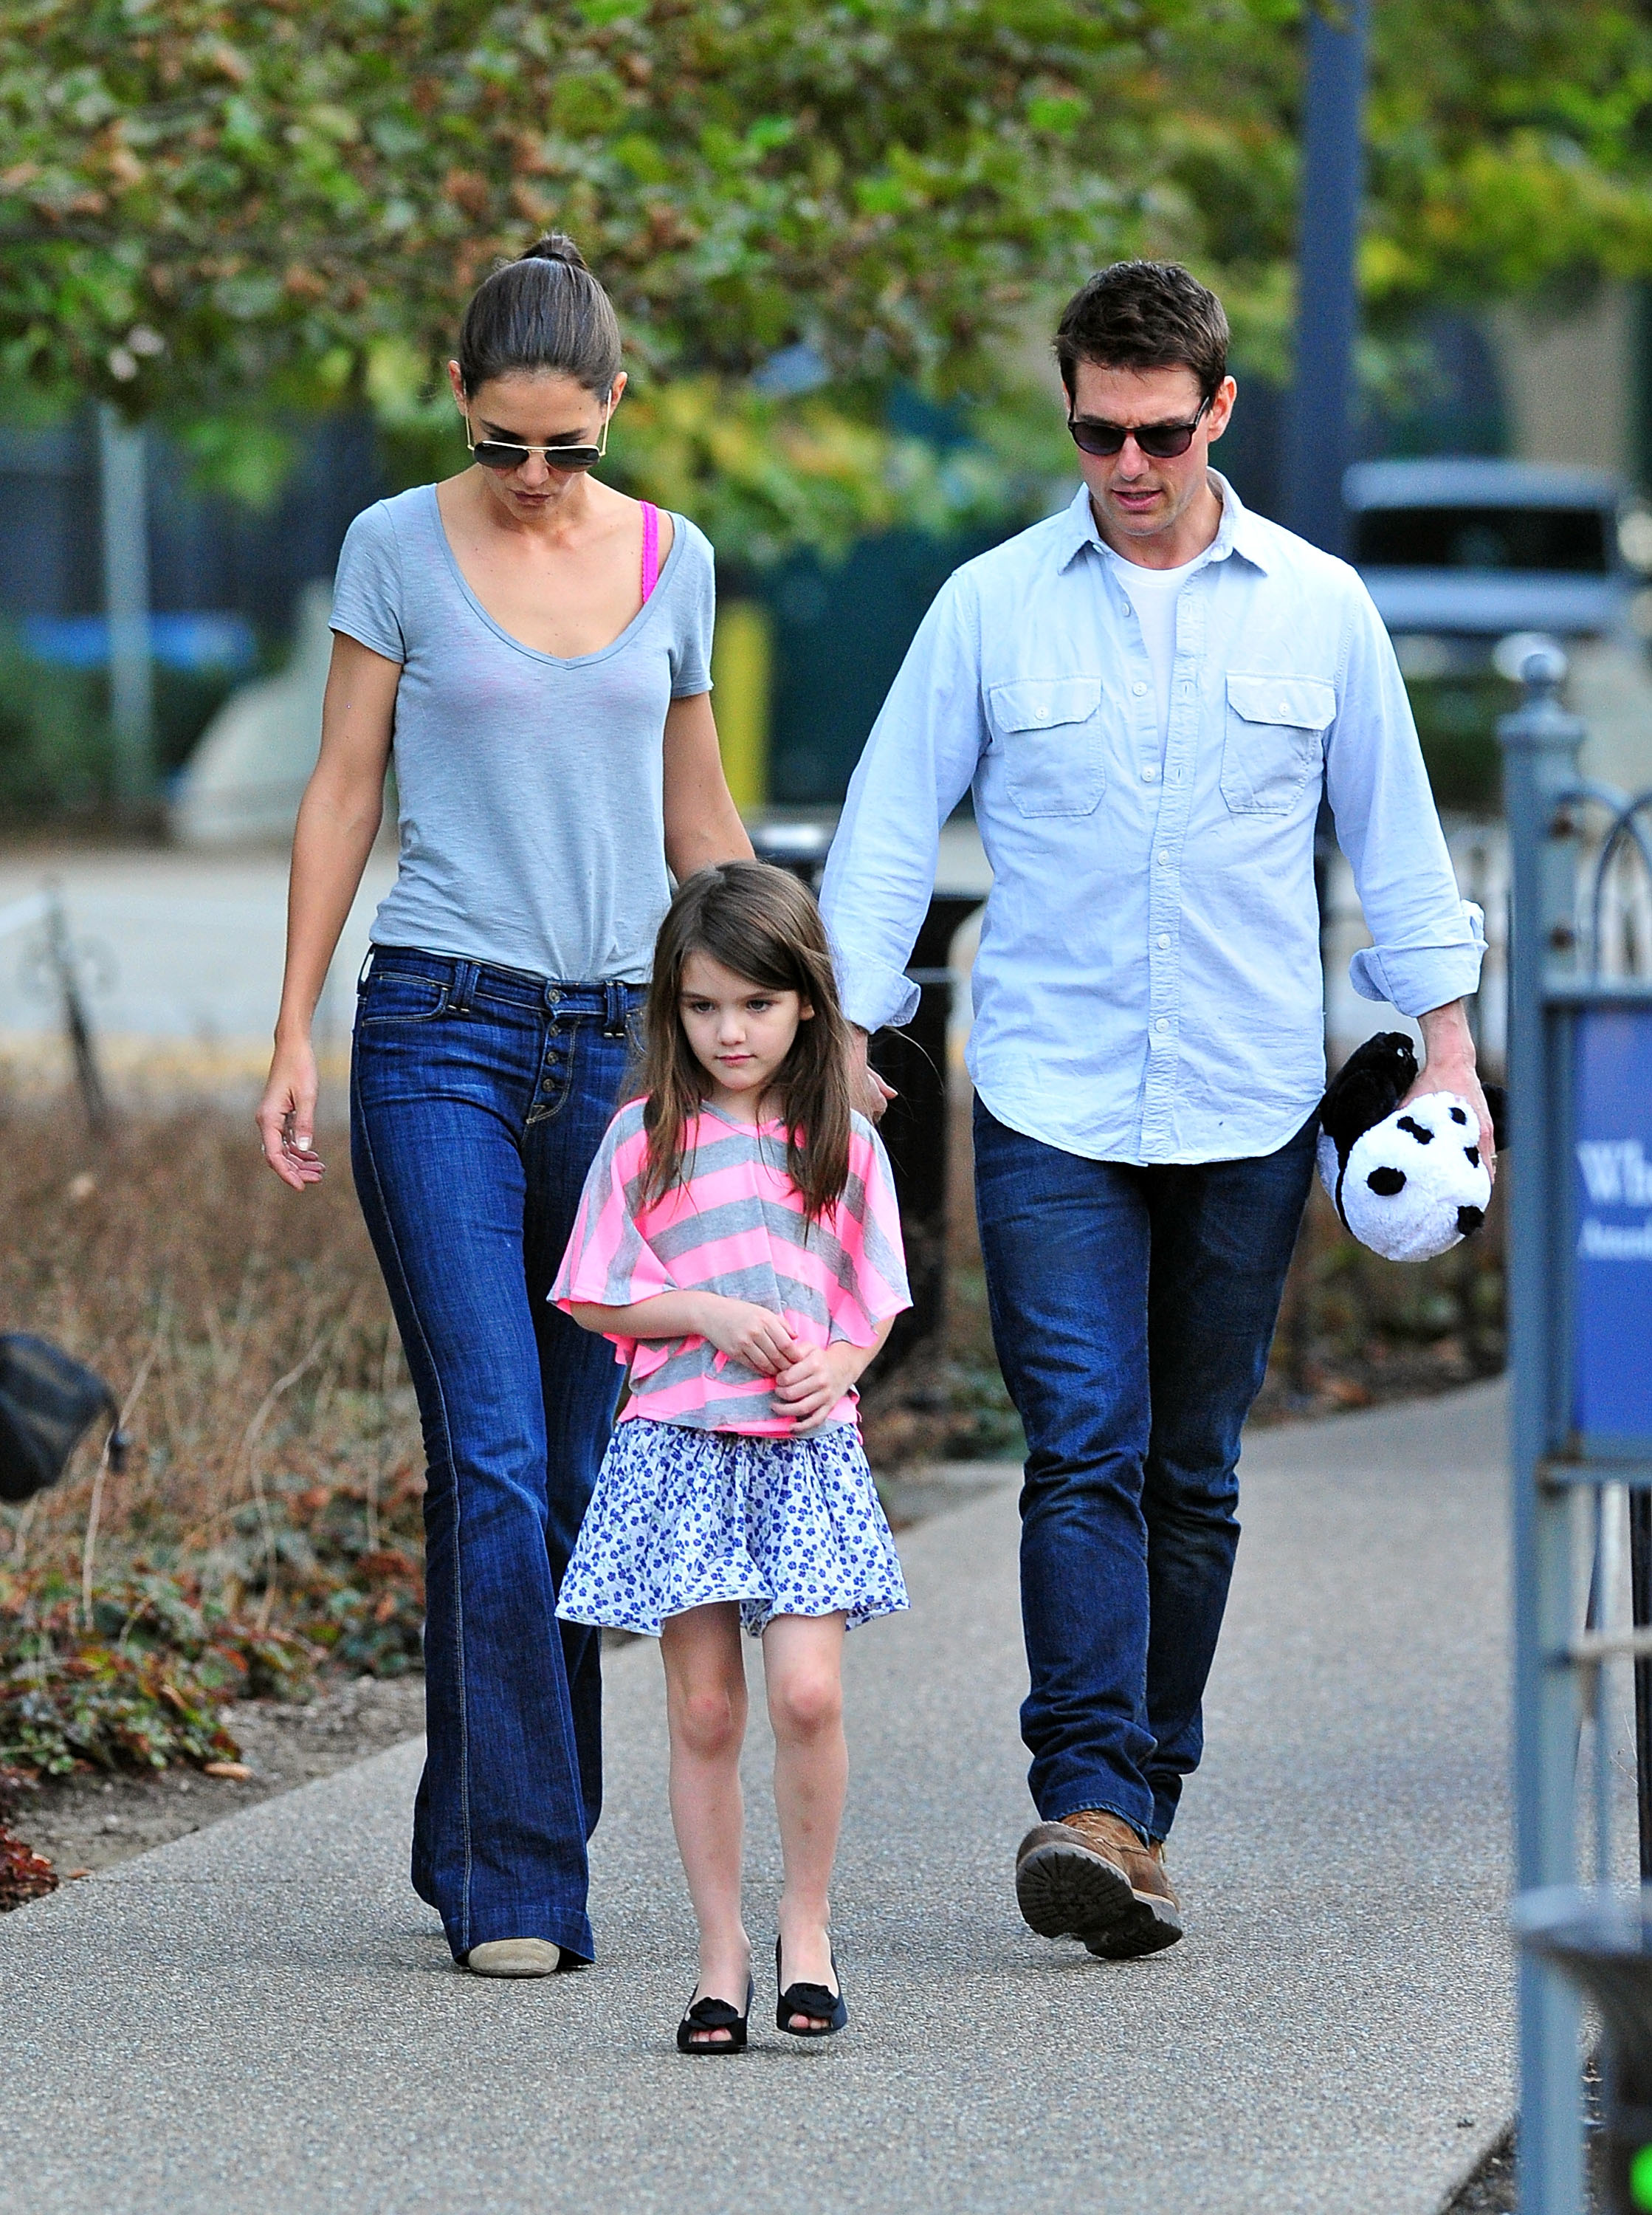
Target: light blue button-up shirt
1149,985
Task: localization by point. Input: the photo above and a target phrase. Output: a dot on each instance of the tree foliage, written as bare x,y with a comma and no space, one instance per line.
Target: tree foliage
212,205
1511,148
264,183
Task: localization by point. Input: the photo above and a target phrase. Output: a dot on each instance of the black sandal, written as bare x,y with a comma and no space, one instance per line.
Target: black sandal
828,2011
715,2015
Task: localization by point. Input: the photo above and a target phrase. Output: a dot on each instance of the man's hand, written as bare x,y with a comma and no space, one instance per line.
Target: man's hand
868,1094
1448,1066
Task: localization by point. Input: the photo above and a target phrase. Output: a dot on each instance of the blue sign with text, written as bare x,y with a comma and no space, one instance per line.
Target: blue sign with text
1612,1128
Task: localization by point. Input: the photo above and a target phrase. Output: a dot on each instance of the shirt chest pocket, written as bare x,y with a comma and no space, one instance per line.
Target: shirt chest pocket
1274,739
1049,732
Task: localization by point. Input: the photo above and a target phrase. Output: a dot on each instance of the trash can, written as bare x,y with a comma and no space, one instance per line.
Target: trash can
916,1129
1603,1942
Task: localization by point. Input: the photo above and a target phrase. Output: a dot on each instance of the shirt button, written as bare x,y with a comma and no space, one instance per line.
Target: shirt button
1148,774
1139,691
1164,860
1164,938
1163,1023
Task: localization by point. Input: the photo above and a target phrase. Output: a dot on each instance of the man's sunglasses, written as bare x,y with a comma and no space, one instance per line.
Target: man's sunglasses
1159,442
504,455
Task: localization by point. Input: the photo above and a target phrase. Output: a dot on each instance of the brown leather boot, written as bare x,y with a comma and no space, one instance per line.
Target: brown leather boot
1090,1877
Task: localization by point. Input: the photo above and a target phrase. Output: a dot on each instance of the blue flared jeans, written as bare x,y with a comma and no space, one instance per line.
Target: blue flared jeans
479,1096
1132,1311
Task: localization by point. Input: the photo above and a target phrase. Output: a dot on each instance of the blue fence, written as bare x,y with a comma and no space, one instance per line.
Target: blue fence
1580,1053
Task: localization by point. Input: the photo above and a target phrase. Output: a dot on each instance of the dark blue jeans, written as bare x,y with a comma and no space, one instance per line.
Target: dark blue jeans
1132,1311
478,1098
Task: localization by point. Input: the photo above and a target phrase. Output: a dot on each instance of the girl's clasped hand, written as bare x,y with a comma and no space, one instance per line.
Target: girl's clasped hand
739,1240
809,1380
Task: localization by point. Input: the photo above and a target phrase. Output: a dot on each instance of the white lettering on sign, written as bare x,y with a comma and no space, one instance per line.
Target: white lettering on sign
1616,1172
1616,1242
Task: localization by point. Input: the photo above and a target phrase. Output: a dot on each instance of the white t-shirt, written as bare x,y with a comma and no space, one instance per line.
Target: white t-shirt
1153,595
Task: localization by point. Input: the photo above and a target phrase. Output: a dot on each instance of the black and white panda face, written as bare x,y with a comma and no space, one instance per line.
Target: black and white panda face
1413,1184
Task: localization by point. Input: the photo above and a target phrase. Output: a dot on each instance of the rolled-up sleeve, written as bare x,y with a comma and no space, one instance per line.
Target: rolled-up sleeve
1429,940
916,766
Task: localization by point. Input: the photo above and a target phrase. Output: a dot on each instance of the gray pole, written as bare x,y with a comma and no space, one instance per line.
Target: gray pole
126,603
1317,433
1540,744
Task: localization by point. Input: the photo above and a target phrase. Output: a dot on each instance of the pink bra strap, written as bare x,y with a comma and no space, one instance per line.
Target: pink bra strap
650,548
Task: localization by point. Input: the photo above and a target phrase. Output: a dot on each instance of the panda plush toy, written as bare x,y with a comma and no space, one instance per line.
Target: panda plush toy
1408,1182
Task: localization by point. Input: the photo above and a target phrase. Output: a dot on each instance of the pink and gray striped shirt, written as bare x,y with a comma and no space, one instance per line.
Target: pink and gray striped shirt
734,1225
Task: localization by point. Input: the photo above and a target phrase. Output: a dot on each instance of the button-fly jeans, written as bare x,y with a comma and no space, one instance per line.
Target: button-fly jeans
479,1096
1132,1309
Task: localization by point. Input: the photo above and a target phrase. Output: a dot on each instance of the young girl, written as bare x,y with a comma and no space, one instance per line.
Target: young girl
738,1241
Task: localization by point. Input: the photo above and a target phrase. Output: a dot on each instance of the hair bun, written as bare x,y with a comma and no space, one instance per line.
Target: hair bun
557,246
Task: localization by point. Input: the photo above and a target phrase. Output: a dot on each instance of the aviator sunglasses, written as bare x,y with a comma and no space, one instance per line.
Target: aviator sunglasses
1159,442
504,455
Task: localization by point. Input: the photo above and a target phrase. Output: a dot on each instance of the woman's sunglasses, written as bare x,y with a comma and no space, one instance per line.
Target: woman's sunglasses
504,455
1159,442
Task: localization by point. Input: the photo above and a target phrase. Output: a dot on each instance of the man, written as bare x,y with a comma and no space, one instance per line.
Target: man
1148,694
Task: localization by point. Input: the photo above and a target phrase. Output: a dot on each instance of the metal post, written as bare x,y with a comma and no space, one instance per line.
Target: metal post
77,1028
1540,744
1317,437
917,1130
1640,1591
127,604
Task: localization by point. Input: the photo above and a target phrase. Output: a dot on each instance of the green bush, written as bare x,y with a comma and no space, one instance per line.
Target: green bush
141,1686
56,752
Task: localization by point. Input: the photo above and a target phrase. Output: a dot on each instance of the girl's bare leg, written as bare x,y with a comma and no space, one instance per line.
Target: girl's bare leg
803,1669
705,1710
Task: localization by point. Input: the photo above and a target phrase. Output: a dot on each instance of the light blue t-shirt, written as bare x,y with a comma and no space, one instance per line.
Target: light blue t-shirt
531,787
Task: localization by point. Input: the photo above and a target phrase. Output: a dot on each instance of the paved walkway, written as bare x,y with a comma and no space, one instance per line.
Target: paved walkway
183,962
260,2020
182,966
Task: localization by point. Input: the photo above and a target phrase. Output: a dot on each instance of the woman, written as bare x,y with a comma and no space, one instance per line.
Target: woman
537,647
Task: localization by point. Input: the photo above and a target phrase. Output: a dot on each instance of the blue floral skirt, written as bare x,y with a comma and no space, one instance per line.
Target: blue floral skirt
681,1517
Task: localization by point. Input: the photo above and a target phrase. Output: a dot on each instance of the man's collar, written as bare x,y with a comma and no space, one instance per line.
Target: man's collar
1238,532
1078,522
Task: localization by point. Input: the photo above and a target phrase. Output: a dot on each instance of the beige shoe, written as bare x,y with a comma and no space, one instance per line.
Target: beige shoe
1090,1877
514,1957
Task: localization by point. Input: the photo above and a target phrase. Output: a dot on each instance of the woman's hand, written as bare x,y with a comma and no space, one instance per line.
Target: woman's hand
747,1333
809,1388
286,1116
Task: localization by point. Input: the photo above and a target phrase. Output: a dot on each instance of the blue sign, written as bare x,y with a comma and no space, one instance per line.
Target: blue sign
1612,1125
204,640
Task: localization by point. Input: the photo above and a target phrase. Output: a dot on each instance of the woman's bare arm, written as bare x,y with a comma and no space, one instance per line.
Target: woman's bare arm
337,821
702,824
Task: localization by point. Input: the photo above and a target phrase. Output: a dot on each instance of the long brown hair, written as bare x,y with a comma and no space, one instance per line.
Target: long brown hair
763,924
